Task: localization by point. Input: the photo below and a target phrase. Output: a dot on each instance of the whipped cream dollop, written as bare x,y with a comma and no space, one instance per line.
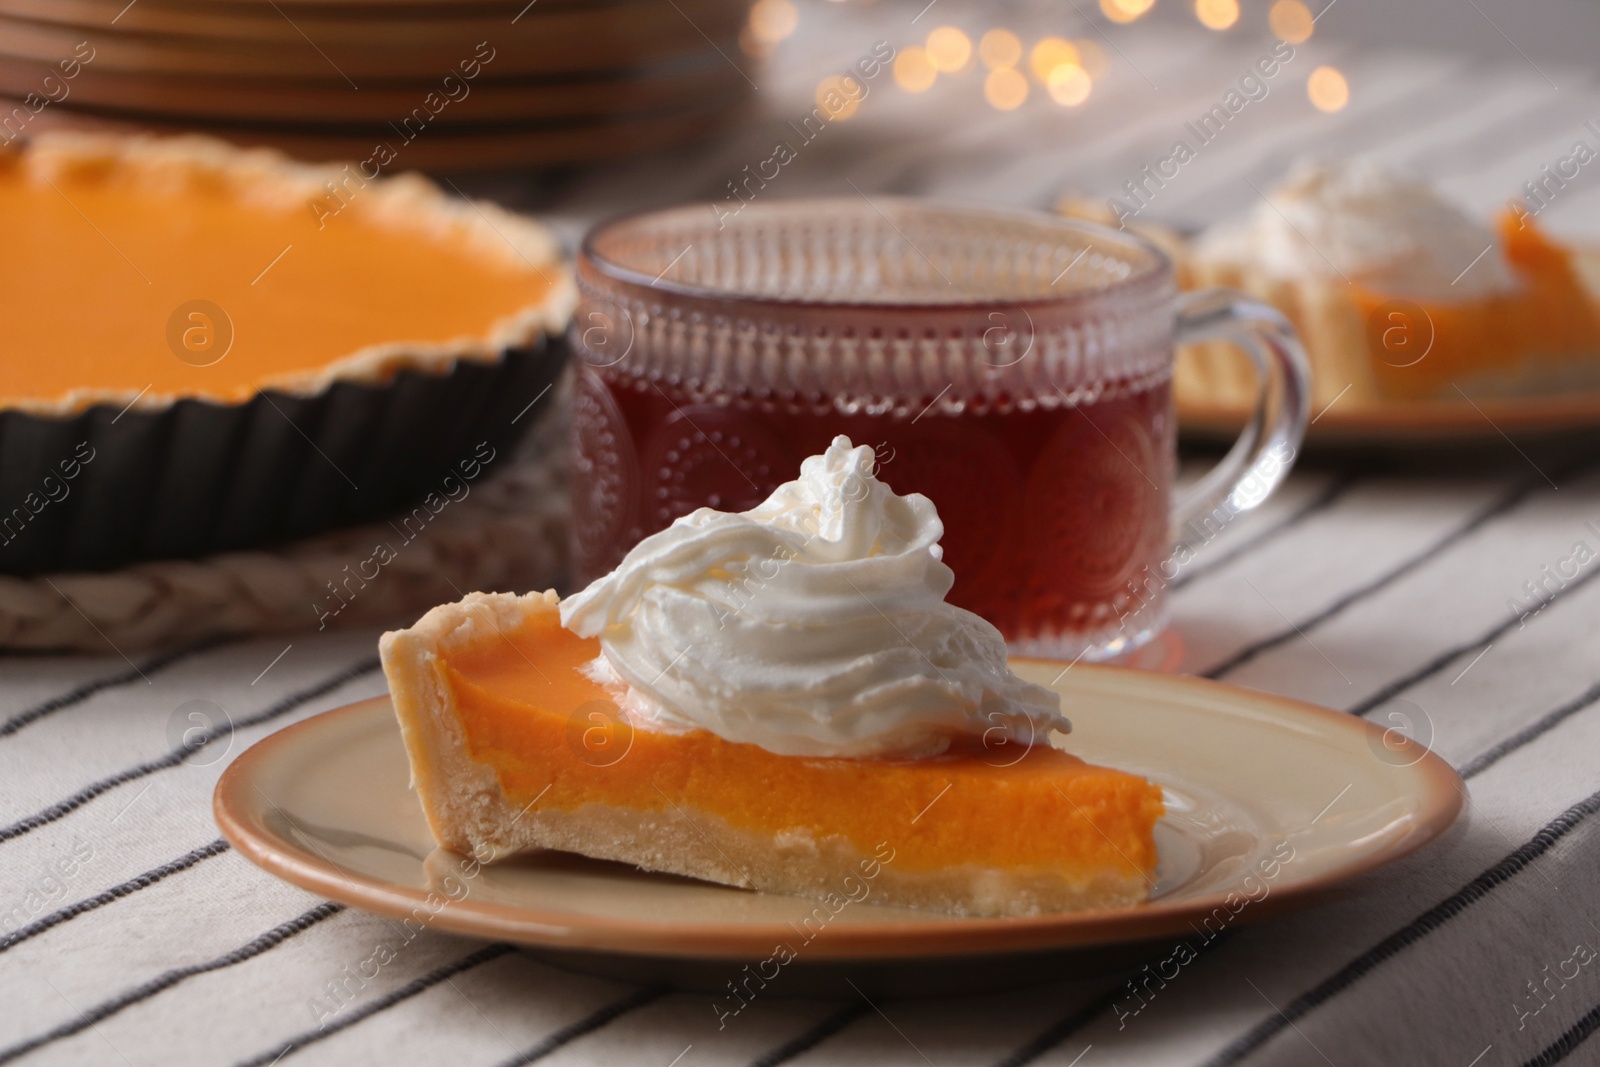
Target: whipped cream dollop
1361,221
814,624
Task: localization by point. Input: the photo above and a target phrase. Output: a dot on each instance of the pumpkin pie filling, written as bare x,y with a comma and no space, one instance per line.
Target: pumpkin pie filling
525,705
1548,320
311,266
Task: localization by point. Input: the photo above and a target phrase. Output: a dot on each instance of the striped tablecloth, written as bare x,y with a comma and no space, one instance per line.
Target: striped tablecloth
1455,592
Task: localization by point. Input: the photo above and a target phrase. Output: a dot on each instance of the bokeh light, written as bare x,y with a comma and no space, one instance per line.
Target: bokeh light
1291,21
1328,89
1069,85
949,48
1005,88
1125,10
839,97
773,20
753,46
1091,57
914,70
999,48
1050,53
1216,14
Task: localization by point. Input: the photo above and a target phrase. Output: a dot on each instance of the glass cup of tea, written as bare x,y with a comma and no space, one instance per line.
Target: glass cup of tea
1014,367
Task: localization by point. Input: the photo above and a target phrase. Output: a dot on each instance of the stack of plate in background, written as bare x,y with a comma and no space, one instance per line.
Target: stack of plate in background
444,84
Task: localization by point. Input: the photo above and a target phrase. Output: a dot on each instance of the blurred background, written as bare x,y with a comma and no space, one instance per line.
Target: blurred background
1477,94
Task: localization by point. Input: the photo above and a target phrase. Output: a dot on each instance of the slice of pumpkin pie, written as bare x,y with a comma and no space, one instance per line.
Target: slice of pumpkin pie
780,700
1397,293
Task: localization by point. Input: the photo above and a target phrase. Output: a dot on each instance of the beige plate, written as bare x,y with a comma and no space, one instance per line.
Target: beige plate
1415,421
327,101
559,41
325,804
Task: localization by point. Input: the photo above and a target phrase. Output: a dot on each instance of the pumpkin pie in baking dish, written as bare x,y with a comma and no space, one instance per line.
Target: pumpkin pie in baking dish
264,348
778,699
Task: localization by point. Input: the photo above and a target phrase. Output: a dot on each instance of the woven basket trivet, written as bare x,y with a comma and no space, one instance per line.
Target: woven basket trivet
508,533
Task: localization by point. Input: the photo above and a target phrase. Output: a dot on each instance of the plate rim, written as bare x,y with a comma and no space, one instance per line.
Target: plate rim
1442,799
1413,420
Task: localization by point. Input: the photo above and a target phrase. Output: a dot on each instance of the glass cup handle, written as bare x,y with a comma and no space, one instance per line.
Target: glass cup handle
1262,455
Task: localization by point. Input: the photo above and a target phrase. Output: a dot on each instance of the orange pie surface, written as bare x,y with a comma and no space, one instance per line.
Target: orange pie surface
1549,319
555,741
100,254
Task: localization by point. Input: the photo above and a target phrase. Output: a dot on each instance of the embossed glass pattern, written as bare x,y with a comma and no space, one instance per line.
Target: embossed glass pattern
1013,367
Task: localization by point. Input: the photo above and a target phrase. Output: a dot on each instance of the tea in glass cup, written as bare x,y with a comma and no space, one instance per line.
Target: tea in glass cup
1015,368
